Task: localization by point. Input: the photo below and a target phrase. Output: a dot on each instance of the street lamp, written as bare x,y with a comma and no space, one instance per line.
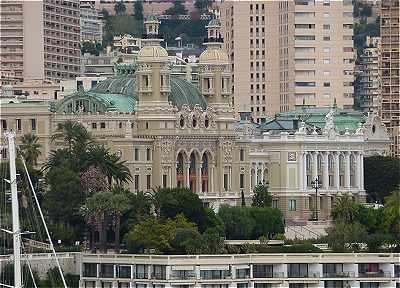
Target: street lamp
316,184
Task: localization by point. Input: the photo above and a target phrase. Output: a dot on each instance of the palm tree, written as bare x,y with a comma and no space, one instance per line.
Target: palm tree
58,158
74,133
344,209
109,163
103,208
30,148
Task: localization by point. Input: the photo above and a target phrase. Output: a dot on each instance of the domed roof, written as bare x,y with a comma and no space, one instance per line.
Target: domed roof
152,53
119,94
213,55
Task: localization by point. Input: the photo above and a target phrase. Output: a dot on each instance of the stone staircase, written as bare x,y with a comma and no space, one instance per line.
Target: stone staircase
304,230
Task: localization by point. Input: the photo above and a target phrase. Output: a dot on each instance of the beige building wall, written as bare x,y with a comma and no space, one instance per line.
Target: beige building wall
390,71
305,54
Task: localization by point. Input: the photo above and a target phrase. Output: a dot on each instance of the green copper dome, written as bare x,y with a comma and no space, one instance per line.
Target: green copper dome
119,94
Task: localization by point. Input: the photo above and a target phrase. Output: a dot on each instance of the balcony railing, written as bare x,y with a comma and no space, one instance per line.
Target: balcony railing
378,274
339,274
304,275
268,274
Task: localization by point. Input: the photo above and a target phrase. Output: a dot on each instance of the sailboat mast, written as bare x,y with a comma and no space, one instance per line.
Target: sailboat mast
15,211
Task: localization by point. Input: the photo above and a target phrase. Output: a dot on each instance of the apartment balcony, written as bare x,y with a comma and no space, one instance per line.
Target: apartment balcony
375,274
338,274
268,275
304,275
158,276
182,276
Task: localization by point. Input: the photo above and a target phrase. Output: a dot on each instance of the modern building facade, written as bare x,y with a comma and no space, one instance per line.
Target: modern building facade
289,53
91,22
309,270
390,70
172,133
40,39
368,82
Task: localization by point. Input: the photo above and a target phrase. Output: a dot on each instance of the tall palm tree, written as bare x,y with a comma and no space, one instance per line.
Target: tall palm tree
109,163
58,158
74,133
344,209
30,148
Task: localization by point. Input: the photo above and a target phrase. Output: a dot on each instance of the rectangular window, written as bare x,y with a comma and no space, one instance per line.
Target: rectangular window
148,182
148,154
79,85
327,84
4,124
94,125
275,203
327,27
305,84
136,154
94,83
292,205
164,181
225,182
241,154
327,38
33,124
103,125
136,183
327,61
241,180
19,128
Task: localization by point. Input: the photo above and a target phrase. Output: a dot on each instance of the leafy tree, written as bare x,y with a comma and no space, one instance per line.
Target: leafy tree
138,7
157,234
59,158
237,221
392,213
268,222
64,196
376,240
30,148
372,219
203,5
93,180
344,209
177,8
261,197
171,202
119,8
344,236
53,279
381,176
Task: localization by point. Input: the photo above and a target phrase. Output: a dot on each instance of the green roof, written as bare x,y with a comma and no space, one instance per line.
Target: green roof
342,118
119,94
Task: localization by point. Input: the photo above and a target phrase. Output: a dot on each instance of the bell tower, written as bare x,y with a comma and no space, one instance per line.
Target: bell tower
215,68
153,73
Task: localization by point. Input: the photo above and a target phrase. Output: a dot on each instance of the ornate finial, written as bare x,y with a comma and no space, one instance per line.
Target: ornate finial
329,122
360,129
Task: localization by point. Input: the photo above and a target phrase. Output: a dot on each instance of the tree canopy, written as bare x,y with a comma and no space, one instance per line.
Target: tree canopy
381,176
178,8
261,197
138,7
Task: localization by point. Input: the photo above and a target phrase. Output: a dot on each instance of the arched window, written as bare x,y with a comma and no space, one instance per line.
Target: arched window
206,121
181,121
194,121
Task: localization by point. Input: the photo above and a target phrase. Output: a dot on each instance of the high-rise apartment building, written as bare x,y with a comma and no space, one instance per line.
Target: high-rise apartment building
390,71
368,92
290,53
40,39
91,23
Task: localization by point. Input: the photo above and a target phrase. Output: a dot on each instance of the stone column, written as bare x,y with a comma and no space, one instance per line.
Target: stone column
337,172
361,171
305,171
347,170
315,166
262,172
187,178
357,176
211,178
198,177
301,171
325,173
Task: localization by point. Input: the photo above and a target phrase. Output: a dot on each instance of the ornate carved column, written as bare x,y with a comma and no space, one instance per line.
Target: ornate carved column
337,172
325,173
347,171
315,165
